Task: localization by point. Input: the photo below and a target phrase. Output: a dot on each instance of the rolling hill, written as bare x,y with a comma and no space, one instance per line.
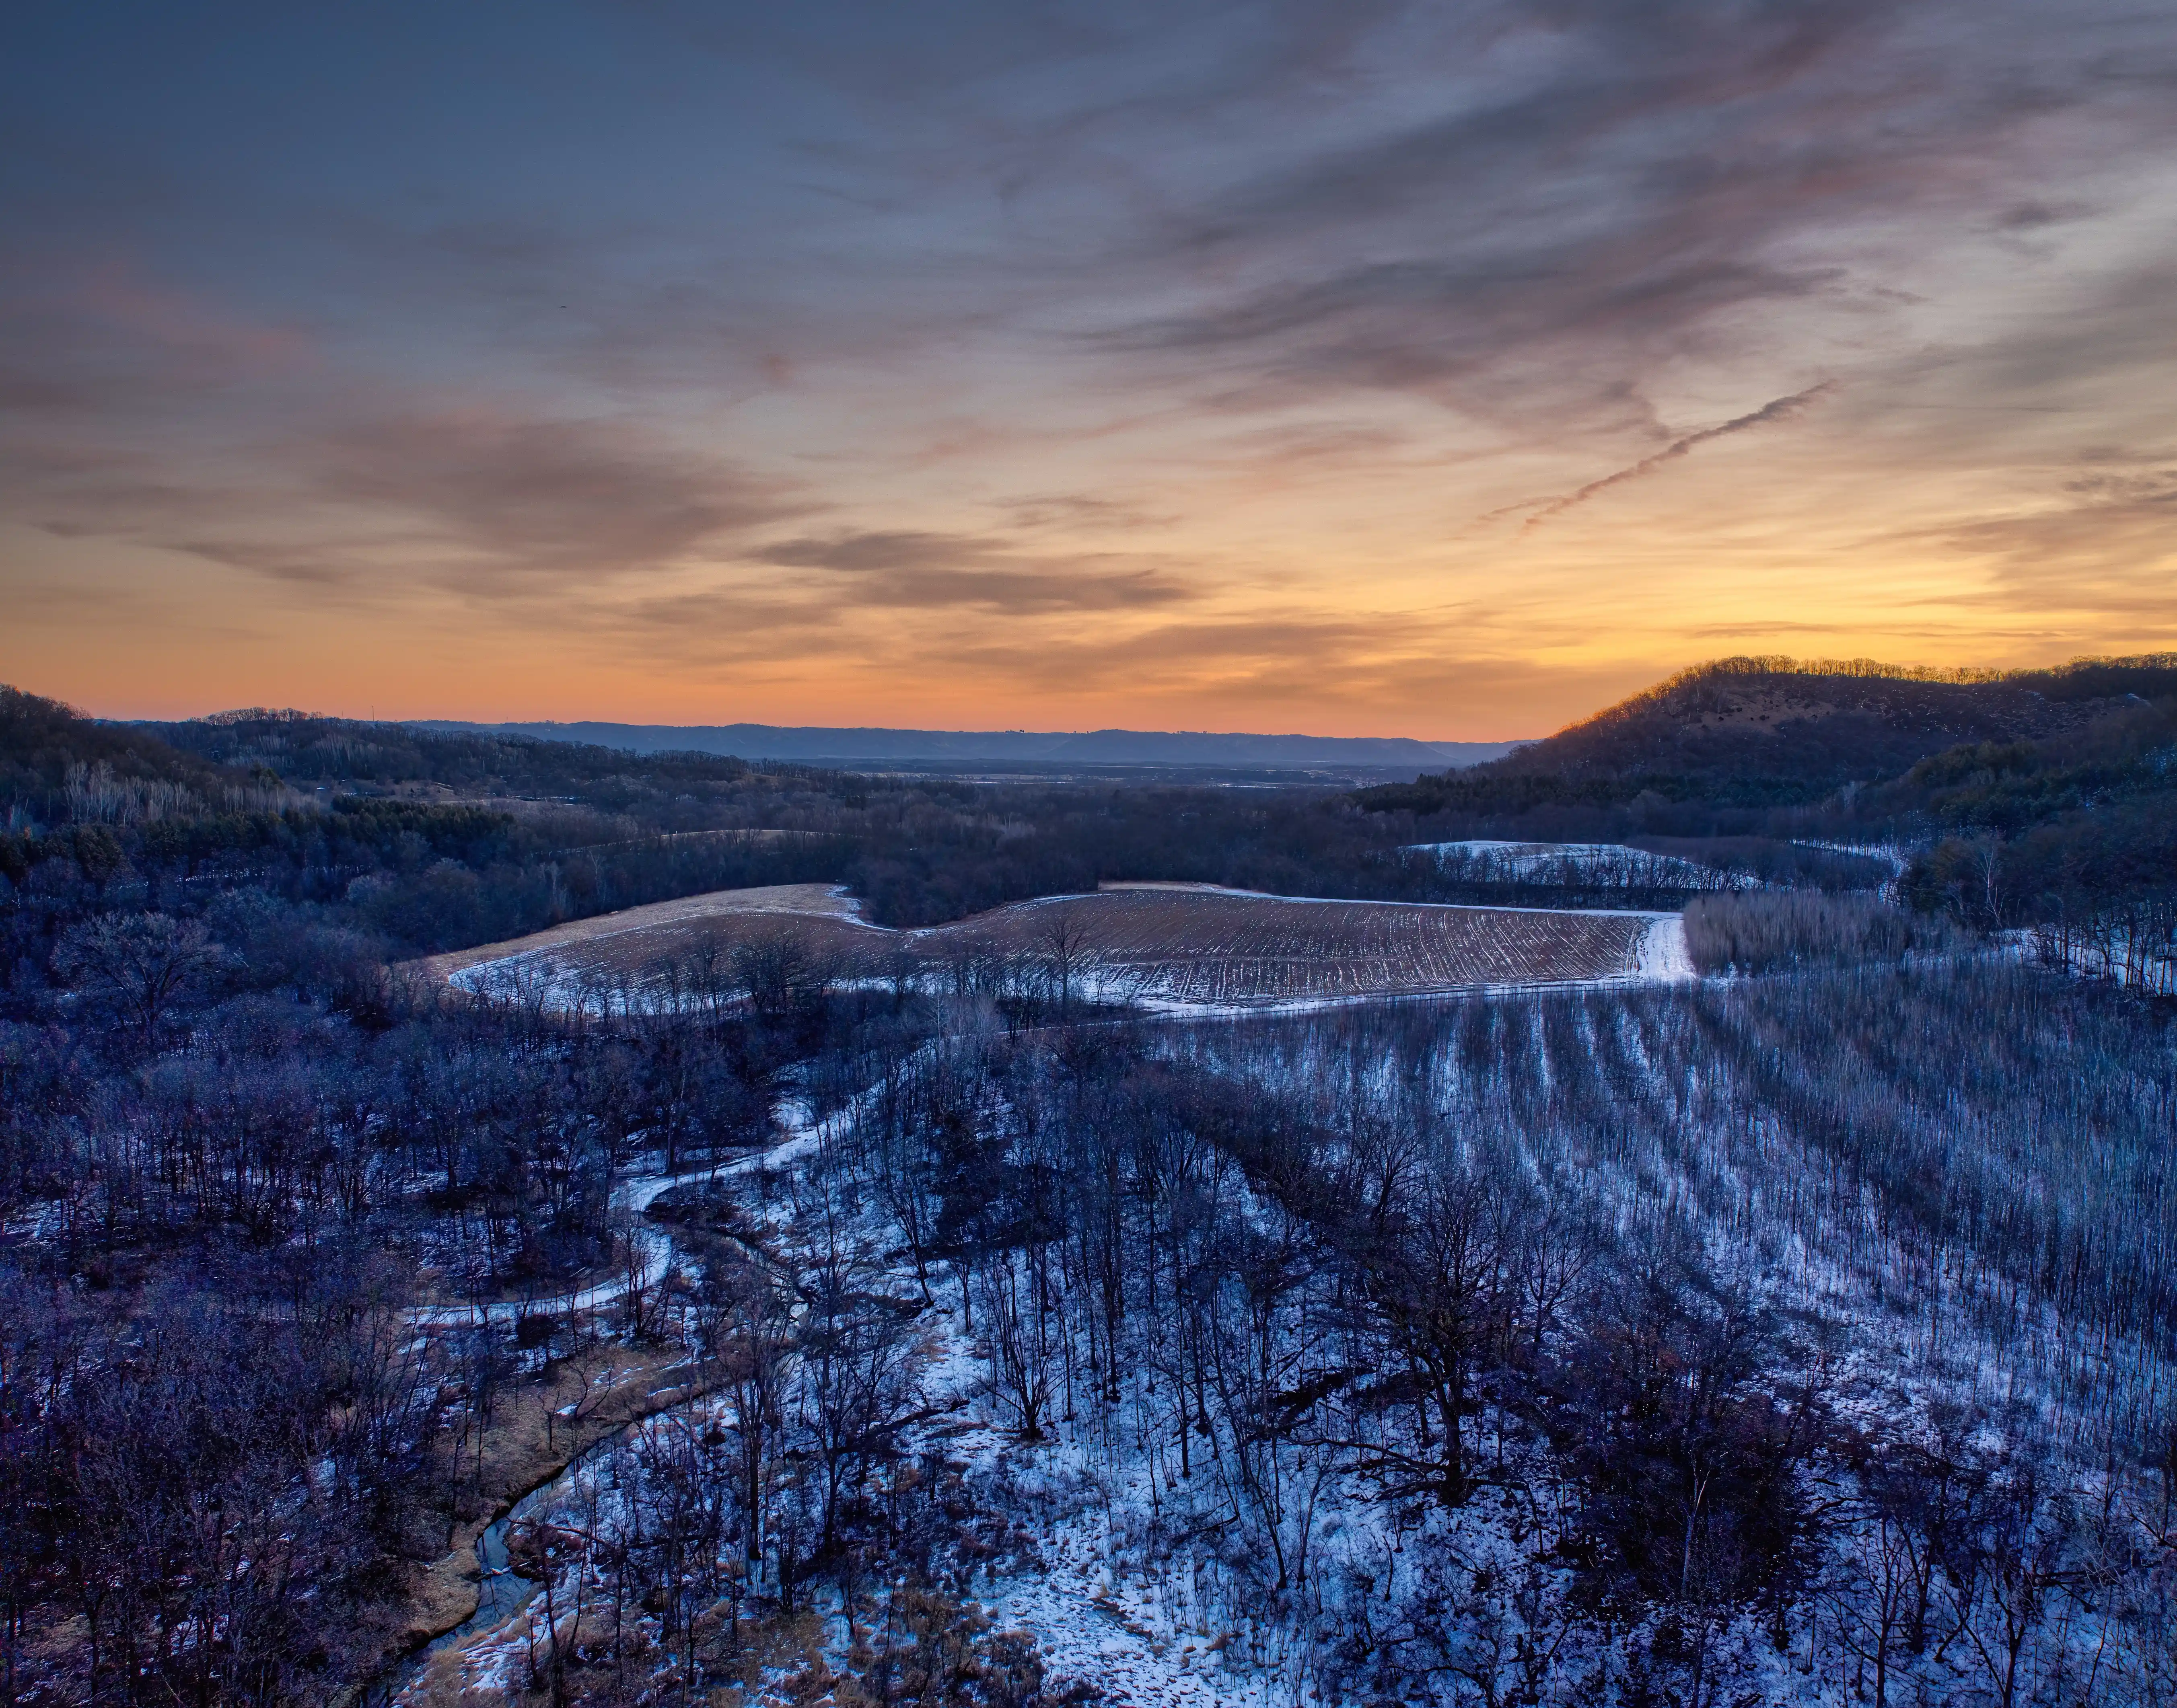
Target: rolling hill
1773,732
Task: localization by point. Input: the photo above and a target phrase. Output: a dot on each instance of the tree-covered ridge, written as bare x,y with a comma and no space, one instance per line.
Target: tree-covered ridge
2018,798
436,841
426,838
1768,732
2069,828
122,816
47,750
311,752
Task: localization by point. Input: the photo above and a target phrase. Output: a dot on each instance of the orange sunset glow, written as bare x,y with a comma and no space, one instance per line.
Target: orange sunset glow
1434,373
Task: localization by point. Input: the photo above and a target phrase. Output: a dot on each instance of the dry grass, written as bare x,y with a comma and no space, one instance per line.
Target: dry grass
1804,928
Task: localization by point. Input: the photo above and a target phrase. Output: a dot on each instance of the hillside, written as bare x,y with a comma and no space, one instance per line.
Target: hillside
335,755
413,839
56,763
1773,732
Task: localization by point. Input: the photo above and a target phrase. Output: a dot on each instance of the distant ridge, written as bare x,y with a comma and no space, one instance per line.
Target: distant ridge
1825,722
1766,732
849,748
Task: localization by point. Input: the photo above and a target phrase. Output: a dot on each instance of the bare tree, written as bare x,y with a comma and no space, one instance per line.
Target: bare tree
749,1338
1066,941
142,962
1017,1325
1429,1280
1871,1603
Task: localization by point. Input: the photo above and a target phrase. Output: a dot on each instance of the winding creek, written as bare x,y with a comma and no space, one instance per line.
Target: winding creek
502,1592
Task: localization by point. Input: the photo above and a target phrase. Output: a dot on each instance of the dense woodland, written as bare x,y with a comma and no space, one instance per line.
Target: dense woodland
2036,798
1803,1334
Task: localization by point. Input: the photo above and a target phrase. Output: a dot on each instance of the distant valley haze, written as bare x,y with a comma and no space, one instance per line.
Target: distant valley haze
895,749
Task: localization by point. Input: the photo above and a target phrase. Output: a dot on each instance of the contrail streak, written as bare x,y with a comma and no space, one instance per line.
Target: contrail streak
1780,409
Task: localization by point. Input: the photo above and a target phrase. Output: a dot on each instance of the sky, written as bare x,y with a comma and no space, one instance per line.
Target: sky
1354,367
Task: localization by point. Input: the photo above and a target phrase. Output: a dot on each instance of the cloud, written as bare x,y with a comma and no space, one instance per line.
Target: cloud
1021,592
862,553
82,335
1267,666
498,495
299,565
1454,331
921,570
485,502
2107,548
1607,191
1080,513
1305,285
1778,409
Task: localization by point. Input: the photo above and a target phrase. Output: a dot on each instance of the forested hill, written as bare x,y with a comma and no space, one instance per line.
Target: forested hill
43,742
1766,732
417,841
427,841
348,753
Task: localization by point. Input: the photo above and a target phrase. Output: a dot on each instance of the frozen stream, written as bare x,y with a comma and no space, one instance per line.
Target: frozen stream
501,1591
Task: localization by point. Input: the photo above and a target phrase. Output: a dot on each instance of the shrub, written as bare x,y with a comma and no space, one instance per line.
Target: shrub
1758,932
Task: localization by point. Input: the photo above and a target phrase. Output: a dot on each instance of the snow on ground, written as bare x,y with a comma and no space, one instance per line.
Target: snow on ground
1141,1637
1895,855
2130,954
635,1194
1112,1600
800,1134
1663,957
1353,901
825,901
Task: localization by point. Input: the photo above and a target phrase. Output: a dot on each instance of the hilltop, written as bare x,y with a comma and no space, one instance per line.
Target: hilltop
49,749
1762,732
341,754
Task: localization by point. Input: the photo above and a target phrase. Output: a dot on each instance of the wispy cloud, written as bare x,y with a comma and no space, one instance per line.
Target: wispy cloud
500,495
1778,409
1149,349
917,571
484,502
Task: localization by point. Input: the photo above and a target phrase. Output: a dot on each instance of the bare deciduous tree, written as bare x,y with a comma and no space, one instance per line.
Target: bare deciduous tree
142,962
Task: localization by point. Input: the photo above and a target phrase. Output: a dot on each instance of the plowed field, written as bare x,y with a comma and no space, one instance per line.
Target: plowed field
638,937
1167,945
1221,948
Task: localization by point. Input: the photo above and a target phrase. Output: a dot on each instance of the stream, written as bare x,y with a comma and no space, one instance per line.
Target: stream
502,1592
